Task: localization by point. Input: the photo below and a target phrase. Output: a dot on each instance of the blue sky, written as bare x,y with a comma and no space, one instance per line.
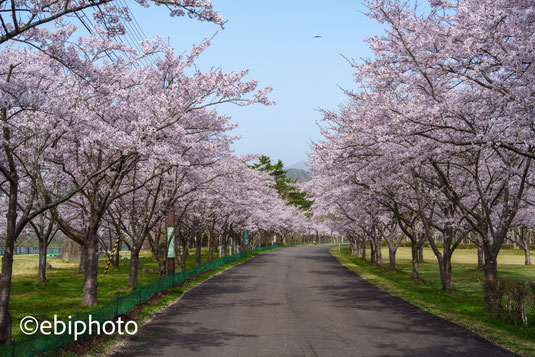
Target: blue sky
274,40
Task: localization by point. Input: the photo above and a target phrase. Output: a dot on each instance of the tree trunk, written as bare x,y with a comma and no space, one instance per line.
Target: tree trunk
363,249
91,272
41,274
83,256
514,238
379,254
392,258
210,249
134,264
5,287
525,243
444,265
224,248
491,276
198,250
10,233
185,253
373,256
354,250
162,266
415,250
480,258
421,254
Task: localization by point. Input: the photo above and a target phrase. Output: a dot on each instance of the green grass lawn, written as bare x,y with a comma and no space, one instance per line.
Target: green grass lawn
463,305
63,293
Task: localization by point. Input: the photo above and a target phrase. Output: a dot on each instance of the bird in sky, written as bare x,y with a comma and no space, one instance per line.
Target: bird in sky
317,36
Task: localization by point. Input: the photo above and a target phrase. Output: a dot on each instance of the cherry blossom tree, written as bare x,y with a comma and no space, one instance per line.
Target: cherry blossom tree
22,20
437,130
36,111
126,127
470,77
73,119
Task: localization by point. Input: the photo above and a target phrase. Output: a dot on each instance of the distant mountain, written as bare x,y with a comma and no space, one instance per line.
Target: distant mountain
301,165
299,175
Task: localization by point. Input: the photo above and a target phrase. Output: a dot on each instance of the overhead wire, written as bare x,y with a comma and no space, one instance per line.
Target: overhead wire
136,33
137,29
129,43
88,28
132,37
132,42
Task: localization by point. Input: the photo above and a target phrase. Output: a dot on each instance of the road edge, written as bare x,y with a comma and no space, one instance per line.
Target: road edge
459,321
115,343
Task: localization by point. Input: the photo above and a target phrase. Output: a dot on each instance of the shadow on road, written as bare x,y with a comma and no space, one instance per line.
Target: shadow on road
186,336
300,301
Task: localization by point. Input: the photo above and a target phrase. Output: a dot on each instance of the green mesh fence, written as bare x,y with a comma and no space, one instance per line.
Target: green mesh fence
40,343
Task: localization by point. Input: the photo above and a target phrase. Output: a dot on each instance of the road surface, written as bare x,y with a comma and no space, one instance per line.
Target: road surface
299,301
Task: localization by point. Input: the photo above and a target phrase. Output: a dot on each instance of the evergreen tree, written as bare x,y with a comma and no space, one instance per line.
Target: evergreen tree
285,186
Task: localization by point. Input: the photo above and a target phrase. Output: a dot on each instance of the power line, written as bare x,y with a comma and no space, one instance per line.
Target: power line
134,18
91,32
133,42
132,37
120,37
138,32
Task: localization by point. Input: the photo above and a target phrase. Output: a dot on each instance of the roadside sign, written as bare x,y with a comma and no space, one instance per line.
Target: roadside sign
171,237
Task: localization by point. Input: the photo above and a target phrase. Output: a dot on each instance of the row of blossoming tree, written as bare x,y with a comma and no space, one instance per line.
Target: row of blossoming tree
94,141
436,142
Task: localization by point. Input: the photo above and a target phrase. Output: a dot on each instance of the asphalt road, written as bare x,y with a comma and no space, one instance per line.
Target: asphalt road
299,302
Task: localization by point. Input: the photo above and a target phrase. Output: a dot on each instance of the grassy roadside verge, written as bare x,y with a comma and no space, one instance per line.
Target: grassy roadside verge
62,295
105,345
463,306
